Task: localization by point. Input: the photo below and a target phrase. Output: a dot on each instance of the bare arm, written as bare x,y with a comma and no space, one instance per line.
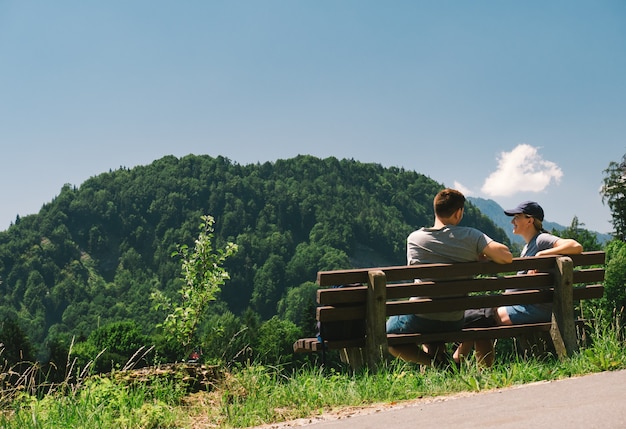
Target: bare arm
498,252
563,246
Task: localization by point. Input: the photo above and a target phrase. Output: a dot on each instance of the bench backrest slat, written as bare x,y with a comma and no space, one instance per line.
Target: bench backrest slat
426,306
357,294
589,275
357,311
446,271
437,288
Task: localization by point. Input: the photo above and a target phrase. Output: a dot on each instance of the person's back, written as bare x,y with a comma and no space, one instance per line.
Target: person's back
448,244
444,242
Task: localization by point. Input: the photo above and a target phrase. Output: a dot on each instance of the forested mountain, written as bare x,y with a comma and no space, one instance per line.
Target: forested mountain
94,254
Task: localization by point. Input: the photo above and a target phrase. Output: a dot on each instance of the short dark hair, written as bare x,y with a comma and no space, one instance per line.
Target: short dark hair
447,202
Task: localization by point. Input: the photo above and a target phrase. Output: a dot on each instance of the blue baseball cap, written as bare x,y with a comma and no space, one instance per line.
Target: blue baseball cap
530,208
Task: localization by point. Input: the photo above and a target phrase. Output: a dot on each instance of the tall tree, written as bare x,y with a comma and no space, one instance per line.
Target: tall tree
614,192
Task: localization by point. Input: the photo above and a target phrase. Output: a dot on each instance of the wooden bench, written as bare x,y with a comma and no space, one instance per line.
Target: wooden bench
386,291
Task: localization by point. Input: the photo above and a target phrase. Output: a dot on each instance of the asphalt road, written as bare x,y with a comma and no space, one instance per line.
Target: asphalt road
591,401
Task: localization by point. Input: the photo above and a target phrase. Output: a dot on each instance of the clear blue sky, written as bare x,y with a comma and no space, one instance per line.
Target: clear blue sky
505,100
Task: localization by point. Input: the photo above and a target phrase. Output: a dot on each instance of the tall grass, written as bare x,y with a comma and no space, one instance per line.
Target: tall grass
100,403
259,395
254,395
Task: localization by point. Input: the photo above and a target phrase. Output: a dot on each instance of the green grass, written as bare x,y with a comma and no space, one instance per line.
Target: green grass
255,395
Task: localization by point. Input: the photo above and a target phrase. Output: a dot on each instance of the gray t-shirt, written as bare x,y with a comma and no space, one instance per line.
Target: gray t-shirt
446,245
539,242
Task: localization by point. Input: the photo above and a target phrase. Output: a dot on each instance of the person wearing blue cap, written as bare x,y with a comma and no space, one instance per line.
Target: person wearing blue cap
527,220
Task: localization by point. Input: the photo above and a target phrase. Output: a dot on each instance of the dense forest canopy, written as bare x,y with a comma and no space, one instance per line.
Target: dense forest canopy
95,253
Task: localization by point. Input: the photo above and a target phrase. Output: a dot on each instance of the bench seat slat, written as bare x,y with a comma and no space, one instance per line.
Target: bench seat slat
469,334
498,332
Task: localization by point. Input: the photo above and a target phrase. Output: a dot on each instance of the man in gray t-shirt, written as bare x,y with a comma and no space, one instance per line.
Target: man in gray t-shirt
444,242
448,244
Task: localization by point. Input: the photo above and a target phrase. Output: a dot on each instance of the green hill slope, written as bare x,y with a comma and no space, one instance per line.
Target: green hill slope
94,254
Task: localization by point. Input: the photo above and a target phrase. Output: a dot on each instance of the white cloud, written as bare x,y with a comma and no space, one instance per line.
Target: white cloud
459,187
521,170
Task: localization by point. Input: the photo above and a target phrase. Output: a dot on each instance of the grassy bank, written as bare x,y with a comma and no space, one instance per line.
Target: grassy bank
256,395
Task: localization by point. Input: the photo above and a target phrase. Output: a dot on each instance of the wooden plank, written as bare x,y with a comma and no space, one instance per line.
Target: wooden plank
563,330
439,271
597,257
351,295
468,334
427,305
344,295
588,292
468,269
342,277
307,345
333,314
403,272
442,289
376,334
589,275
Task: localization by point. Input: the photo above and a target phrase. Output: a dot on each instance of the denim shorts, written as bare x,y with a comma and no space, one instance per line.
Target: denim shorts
529,313
411,324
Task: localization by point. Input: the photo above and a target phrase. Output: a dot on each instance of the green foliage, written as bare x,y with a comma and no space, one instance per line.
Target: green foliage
203,276
587,239
111,346
614,299
120,337
275,341
100,403
298,306
614,192
14,344
228,338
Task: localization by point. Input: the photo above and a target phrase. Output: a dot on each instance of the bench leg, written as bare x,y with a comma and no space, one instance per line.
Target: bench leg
557,339
352,357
